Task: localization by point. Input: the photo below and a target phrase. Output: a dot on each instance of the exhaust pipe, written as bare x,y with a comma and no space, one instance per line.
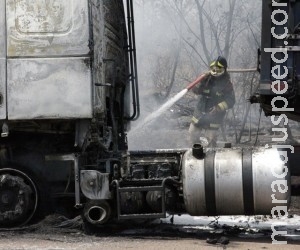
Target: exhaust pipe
97,212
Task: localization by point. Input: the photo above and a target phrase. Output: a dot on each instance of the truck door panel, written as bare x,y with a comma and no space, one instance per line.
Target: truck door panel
49,88
47,28
48,62
2,62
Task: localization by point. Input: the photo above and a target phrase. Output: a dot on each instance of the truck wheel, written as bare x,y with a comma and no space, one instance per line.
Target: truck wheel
18,198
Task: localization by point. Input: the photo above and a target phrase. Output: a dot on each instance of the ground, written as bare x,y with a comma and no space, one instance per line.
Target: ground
186,232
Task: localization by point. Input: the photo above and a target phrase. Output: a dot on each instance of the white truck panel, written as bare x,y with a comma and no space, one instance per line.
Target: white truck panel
47,28
48,63
2,62
49,88
2,88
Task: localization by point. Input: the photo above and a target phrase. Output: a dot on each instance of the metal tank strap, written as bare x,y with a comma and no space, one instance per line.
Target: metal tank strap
210,194
248,182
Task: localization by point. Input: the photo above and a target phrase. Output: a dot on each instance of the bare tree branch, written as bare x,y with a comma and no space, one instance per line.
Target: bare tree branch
202,34
229,27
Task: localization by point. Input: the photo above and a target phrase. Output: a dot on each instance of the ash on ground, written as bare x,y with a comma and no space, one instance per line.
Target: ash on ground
55,227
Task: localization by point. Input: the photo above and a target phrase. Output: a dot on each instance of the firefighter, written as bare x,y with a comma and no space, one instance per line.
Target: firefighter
215,97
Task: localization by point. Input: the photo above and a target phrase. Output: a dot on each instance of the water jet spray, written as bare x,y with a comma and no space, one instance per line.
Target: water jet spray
171,101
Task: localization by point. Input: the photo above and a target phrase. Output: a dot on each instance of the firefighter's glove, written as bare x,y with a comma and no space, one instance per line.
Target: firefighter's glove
195,120
201,122
222,106
215,110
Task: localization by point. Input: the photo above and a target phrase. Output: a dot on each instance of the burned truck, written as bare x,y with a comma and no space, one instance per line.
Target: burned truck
66,73
69,90
279,64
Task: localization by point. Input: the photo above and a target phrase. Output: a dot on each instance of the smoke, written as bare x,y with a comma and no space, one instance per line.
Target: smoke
170,54
156,40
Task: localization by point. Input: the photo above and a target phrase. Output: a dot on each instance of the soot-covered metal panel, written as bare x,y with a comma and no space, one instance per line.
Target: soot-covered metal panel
47,28
57,88
2,62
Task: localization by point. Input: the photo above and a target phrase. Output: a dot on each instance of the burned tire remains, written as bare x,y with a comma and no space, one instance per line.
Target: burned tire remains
18,198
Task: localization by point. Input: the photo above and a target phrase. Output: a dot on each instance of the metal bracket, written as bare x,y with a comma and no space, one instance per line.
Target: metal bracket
70,157
103,84
5,130
292,48
140,189
293,36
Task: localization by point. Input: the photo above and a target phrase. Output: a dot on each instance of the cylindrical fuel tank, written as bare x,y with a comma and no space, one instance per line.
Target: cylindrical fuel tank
235,181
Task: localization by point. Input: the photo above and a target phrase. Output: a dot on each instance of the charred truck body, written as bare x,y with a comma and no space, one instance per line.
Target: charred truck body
65,86
67,71
280,59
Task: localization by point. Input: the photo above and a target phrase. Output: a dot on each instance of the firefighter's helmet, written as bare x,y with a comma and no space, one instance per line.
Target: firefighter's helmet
218,67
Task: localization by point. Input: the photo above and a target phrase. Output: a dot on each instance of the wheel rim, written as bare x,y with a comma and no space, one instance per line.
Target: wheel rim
18,198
